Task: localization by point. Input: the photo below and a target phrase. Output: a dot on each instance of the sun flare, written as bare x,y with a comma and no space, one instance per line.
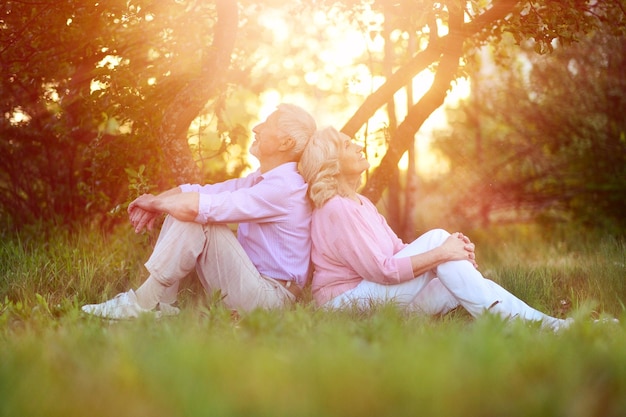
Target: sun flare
349,45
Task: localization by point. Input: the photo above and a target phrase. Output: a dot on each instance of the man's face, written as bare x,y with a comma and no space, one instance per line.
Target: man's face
267,137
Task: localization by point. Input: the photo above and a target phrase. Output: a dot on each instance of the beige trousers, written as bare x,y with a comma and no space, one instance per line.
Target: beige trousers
220,261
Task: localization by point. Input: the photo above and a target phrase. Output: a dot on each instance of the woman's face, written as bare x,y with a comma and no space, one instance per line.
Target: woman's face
351,158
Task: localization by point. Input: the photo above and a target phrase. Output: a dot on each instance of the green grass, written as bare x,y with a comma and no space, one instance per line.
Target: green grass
54,361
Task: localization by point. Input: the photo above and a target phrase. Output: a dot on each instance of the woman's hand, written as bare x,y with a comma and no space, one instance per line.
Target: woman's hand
469,246
460,248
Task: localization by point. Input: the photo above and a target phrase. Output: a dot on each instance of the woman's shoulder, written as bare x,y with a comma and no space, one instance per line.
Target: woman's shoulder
337,203
336,207
346,208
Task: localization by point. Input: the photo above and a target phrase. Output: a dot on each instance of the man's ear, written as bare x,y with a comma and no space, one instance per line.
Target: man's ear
287,144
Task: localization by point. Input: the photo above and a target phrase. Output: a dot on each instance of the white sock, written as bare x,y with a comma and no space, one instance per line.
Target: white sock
149,293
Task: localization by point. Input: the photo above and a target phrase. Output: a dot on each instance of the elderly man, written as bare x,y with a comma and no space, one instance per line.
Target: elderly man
265,265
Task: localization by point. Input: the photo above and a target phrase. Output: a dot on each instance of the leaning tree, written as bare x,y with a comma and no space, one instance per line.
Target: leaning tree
470,25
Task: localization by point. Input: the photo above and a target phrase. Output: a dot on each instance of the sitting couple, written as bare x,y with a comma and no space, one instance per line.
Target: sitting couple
357,258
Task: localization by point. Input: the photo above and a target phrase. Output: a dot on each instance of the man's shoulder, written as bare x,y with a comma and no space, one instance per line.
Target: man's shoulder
285,173
282,169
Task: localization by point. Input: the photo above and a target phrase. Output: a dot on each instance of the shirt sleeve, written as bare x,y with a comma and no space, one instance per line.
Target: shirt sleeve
228,185
265,201
364,242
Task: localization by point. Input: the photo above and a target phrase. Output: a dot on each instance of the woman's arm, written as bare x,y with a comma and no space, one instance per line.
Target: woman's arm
456,247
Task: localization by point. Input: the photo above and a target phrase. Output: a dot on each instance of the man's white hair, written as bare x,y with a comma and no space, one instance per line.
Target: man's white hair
296,123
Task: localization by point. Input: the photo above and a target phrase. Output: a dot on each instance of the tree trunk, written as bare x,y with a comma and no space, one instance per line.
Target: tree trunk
189,102
403,137
412,179
394,203
451,45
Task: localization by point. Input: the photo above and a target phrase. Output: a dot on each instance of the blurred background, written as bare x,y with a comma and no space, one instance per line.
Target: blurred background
473,113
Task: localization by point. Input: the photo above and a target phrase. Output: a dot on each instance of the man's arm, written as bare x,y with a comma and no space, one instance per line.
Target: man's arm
145,209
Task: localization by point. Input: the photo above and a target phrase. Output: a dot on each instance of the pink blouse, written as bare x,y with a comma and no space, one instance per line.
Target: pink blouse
353,242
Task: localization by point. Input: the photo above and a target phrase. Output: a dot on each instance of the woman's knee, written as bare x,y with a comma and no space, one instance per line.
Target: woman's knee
437,236
440,232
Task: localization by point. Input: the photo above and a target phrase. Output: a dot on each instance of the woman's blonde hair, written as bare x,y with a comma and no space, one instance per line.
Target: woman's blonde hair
319,165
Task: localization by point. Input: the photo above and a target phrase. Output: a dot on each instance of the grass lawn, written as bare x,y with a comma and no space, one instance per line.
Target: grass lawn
54,361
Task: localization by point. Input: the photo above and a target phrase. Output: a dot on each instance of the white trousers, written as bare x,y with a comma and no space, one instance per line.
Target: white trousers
438,291
220,261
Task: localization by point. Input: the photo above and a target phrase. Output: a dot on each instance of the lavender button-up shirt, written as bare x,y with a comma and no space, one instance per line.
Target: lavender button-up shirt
274,217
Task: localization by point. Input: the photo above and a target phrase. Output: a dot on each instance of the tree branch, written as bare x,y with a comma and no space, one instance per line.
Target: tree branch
421,61
418,113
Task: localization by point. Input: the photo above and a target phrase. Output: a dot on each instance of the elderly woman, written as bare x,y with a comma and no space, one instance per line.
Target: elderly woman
360,261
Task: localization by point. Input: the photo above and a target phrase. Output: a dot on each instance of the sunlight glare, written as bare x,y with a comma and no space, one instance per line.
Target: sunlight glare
18,116
97,85
109,61
311,78
269,100
442,28
50,92
273,21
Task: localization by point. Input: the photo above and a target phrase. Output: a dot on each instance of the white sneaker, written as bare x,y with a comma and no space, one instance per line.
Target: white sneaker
165,310
122,306
557,325
606,320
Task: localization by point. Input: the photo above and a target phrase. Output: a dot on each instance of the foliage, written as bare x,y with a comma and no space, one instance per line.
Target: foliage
483,23
83,99
303,363
552,147
93,90
306,361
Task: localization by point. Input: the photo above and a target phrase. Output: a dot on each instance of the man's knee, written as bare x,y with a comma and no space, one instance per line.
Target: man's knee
217,232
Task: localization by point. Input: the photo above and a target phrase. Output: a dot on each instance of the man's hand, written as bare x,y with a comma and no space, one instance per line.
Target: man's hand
144,210
141,219
142,213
